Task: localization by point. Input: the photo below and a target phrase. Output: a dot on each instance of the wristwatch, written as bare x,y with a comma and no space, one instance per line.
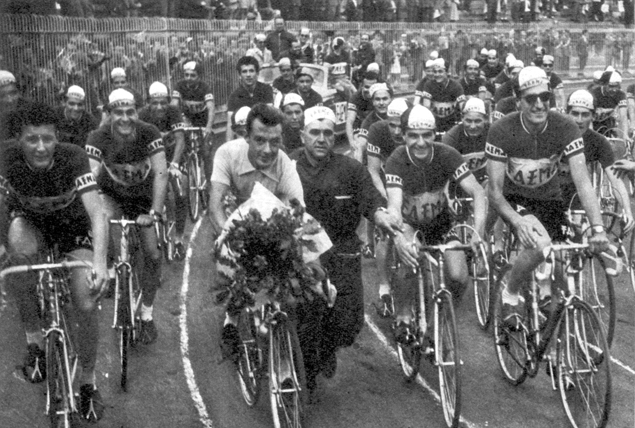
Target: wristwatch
597,229
154,214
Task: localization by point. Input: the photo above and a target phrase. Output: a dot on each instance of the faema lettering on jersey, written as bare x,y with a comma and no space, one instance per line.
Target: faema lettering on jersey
155,146
129,174
93,152
373,150
194,107
443,109
494,152
475,161
423,208
574,147
460,172
85,181
393,180
532,173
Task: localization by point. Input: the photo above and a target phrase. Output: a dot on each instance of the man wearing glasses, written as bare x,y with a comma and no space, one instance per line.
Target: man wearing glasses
609,97
555,84
523,151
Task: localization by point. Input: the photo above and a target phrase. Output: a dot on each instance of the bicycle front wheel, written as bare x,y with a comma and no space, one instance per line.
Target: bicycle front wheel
59,390
584,377
287,381
249,361
194,183
446,338
511,344
597,289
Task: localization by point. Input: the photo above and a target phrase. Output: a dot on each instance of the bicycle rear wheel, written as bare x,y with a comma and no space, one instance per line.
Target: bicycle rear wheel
446,338
584,377
194,183
124,321
597,289
287,381
59,390
249,360
202,185
511,344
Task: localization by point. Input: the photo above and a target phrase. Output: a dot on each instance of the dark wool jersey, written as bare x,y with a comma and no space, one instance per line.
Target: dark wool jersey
471,88
533,161
504,91
596,149
606,103
311,99
472,148
444,98
361,106
75,131
126,168
241,97
380,142
420,86
504,107
53,193
170,122
424,182
193,98
492,72
555,82
630,91
502,78
371,119
283,86
291,138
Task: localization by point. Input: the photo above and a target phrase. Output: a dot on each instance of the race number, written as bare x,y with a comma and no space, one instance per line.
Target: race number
339,68
340,112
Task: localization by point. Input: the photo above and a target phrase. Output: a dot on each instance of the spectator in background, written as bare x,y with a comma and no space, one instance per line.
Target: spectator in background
443,47
350,10
319,49
259,51
627,47
74,123
493,67
306,50
463,49
540,52
284,83
304,80
294,54
279,40
583,51
365,53
596,13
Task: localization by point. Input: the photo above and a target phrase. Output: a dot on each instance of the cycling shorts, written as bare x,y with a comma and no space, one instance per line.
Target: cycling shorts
551,213
434,233
68,233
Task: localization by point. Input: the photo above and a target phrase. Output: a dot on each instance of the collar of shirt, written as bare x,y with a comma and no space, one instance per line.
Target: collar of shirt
246,167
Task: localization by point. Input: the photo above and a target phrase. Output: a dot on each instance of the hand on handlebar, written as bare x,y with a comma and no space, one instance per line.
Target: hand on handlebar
174,171
527,234
145,220
627,223
622,167
408,251
598,242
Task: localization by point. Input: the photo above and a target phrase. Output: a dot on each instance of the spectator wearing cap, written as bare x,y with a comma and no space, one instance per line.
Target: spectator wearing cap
443,96
304,80
279,40
482,57
306,48
507,88
10,100
327,177
474,86
292,106
555,83
249,92
469,137
259,51
284,83
493,67
611,105
239,122
74,121
365,54
505,75
581,107
358,108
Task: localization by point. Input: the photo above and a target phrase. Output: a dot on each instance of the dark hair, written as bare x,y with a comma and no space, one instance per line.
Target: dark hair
371,75
32,114
247,60
268,115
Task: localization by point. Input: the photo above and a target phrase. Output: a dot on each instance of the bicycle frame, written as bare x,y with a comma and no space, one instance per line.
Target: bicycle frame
123,264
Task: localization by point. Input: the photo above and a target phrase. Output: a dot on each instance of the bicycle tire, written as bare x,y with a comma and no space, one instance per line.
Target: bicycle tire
123,323
584,375
447,354
59,390
599,293
287,378
194,182
630,266
202,185
249,363
510,344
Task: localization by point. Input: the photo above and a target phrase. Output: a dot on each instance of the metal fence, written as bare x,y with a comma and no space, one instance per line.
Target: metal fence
47,54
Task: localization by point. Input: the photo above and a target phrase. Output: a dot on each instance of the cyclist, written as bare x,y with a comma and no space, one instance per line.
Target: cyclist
338,192
383,138
74,123
381,96
523,151
507,89
417,175
473,84
128,159
443,96
555,83
358,108
195,100
52,198
610,102
239,122
493,67
292,107
250,92
284,83
505,75
169,122
581,107
304,80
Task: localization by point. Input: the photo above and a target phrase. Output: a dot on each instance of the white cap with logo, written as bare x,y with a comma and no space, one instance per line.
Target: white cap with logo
240,118
120,97
158,90
418,117
76,92
582,98
6,77
318,113
397,107
474,105
472,63
291,98
377,87
117,72
531,76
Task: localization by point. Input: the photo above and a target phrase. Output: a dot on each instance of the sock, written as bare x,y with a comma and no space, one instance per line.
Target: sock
384,289
88,377
35,337
146,312
509,298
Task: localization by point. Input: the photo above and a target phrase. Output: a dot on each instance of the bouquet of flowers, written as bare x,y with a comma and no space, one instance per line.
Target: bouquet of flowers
271,252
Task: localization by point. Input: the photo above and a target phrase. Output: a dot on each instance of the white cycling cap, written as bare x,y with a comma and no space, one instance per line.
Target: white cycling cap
6,77
429,63
509,60
240,118
434,55
517,65
492,52
439,62
291,98
397,107
120,97
597,75
117,72
190,65
531,76
581,98
76,92
472,63
417,117
318,113
260,37
157,90
284,61
548,59
476,105
615,77
484,51
377,87
373,66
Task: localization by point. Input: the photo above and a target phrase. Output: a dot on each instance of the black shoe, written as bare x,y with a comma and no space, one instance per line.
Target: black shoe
91,406
512,316
230,342
329,364
148,333
179,251
34,368
385,307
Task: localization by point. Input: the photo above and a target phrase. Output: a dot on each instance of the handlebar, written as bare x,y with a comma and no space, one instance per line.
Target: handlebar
442,248
45,266
192,128
611,255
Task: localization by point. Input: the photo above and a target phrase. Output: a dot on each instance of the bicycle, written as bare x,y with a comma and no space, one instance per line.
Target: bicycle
61,357
581,370
197,182
128,294
435,333
269,344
